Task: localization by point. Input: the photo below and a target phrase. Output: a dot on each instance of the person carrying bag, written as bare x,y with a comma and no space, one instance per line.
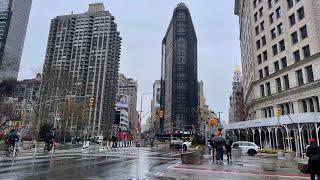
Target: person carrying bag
313,152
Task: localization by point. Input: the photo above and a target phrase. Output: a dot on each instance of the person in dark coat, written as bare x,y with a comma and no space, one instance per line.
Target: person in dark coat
313,152
228,147
213,146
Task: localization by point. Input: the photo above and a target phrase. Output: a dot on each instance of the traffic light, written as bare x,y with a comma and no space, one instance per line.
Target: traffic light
67,101
161,114
21,115
91,102
278,112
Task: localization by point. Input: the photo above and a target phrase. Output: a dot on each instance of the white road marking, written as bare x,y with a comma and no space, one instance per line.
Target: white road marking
174,165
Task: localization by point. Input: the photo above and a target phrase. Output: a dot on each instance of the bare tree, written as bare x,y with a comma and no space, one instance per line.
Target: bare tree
72,115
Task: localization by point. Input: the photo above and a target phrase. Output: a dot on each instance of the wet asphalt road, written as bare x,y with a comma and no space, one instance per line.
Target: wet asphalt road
134,163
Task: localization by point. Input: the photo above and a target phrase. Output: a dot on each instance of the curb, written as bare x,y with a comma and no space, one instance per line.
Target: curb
273,174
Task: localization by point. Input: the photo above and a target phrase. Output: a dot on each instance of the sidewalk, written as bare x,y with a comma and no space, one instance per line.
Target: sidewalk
242,168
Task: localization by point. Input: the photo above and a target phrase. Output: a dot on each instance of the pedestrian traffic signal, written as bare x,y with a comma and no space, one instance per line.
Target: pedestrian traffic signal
91,102
161,114
67,101
278,112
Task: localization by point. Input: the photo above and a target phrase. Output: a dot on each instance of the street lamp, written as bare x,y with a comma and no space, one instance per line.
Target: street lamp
141,116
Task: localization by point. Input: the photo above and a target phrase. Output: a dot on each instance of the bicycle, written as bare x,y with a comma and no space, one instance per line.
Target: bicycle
48,147
12,149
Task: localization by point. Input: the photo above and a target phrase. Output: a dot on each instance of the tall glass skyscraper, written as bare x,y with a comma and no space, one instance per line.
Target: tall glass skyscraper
14,17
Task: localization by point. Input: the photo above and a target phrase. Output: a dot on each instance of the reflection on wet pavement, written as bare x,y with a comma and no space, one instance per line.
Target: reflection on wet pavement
117,164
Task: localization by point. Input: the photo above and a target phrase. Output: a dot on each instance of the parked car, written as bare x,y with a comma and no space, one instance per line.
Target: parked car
249,148
186,144
176,143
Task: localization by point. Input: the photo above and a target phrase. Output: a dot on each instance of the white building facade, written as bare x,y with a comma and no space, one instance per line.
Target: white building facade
280,54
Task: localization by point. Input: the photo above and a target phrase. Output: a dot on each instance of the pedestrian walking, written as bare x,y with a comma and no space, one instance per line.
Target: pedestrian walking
228,147
213,146
313,152
219,142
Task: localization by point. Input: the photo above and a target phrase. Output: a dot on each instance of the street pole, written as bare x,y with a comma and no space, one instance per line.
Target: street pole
206,139
140,119
89,123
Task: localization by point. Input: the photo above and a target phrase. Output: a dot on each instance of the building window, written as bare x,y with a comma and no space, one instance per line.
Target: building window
259,59
278,84
309,72
275,49
260,73
258,44
265,56
270,4
257,30
304,106
254,3
271,18
292,20
261,11
286,82
304,32
262,90
276,66
280,28
290,3
262,26
264,42
294,38
273,33
278,12
268,89
284,62
266,70
299,77
256,17
306,51
296,56
311,105
282,45
301,13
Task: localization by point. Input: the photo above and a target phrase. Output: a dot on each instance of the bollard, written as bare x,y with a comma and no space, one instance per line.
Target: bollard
14,150
52,150
107,144
121,144
35,151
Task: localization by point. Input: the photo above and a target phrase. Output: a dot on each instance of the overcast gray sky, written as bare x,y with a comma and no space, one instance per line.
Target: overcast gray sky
142,24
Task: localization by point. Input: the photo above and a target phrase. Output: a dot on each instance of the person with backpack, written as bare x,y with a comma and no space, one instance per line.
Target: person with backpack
228,147
50,138
12,138
313,152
